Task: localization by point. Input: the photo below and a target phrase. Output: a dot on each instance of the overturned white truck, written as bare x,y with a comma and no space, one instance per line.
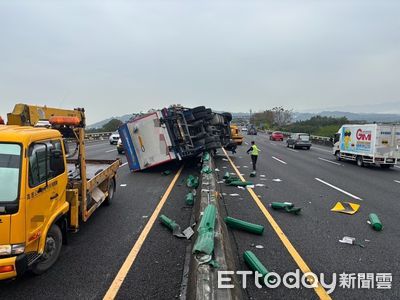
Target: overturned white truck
174,133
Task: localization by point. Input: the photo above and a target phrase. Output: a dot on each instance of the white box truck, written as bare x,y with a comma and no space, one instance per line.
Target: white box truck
368,144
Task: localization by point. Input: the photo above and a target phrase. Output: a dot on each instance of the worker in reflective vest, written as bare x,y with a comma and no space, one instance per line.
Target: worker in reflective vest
254,154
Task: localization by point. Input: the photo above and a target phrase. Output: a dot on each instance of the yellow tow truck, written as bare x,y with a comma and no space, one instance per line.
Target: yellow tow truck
46,189
236,136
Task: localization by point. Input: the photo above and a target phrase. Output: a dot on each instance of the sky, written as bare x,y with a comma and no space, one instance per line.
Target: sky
118,57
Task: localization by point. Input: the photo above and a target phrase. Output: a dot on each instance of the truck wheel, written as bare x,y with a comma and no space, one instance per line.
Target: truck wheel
360,161
111,192
337,155
198,109
51,252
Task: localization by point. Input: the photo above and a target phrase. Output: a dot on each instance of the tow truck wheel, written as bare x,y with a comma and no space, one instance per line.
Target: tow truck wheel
111,192
51,251
360,161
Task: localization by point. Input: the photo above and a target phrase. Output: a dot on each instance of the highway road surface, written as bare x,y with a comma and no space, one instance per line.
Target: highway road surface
124,252
315,181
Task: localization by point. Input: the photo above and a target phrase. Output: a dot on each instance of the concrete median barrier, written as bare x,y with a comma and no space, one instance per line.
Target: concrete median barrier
208,257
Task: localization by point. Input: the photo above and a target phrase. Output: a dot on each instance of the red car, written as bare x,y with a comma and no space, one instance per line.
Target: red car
276,136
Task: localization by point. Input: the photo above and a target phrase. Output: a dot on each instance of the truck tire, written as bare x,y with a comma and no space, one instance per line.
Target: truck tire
359,161
51,251
228,116
200,115
111,192
337,155
198,109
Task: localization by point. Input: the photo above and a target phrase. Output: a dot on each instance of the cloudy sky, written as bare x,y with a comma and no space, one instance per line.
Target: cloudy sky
117,57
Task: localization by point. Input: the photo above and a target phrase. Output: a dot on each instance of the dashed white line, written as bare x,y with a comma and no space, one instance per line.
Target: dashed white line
124,164
320,149
108,151
329,161
281,161
338,189
292,150
396,181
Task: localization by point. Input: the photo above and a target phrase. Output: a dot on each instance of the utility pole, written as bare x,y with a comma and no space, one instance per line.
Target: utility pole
250,116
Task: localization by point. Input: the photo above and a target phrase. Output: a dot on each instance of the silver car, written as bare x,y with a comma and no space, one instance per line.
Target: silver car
299,140
114,137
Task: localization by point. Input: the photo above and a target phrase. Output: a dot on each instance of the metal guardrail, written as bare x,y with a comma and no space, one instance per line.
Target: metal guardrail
97,135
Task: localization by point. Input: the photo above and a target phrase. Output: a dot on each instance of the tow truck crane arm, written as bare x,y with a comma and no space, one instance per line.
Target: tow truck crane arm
30,115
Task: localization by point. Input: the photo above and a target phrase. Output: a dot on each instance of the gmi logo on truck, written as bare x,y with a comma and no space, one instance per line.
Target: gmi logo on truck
363,135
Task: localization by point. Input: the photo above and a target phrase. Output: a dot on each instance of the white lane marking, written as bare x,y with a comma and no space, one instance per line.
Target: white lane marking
277,180
338,189
281,161
124,164
397,181
108,151
292,150
123,184
320,149
329,161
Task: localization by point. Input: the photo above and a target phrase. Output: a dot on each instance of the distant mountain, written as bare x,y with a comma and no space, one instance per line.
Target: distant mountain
100,124
367,117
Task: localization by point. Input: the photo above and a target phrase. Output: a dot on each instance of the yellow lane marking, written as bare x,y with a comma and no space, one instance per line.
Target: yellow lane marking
123,272
319,290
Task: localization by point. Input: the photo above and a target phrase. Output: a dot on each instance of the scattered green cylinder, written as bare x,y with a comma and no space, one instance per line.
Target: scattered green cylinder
227,175
168,222
192,182
189,199
253,174
282,205
240,183
206,170
375,222
243,225
205,238
255,264
206,156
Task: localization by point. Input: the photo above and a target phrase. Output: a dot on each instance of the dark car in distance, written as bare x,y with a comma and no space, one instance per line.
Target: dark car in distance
299,140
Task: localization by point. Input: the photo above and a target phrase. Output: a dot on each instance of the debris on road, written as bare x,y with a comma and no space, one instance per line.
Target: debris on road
277,180
166,172
192,182
260,184
234,195
351,241
253,174
206,170
172,225
255,265
259,246
286,206
189,199
243,225
123,184
346,208
263,176
375,222
239,183
226,175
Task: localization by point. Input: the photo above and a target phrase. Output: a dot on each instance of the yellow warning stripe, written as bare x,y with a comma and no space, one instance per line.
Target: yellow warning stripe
123,272
319,290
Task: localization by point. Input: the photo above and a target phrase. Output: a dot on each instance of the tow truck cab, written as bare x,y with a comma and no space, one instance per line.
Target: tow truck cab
33,179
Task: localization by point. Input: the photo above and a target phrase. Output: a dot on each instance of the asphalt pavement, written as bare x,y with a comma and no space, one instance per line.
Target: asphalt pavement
311,179
315,181
92,258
